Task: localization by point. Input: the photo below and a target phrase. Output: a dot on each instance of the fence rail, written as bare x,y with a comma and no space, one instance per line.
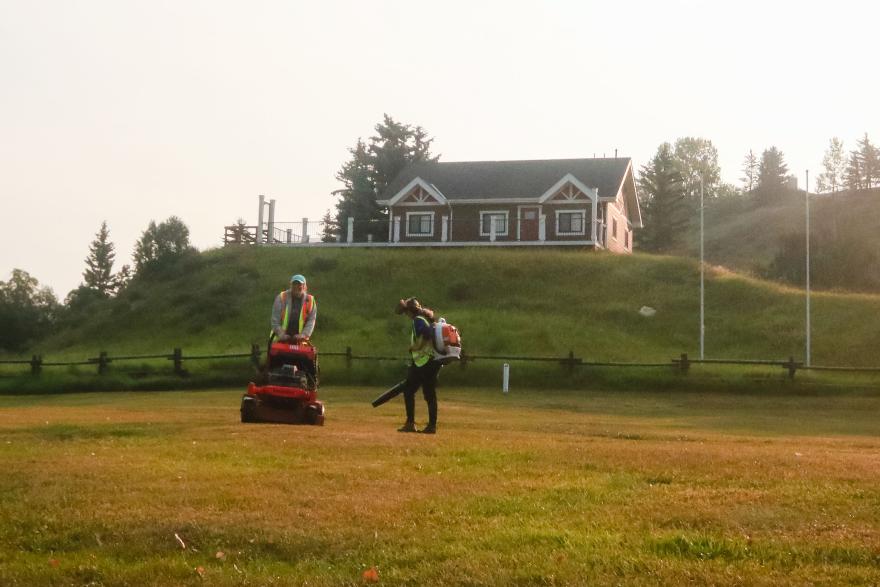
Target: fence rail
570,362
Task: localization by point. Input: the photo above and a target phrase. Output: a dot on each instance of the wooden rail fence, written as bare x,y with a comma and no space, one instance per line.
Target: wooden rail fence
570,363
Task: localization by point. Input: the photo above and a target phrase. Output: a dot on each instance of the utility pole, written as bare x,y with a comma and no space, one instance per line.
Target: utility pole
807,205
702,280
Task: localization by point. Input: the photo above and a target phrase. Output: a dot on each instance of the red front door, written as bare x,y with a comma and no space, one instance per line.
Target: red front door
528,223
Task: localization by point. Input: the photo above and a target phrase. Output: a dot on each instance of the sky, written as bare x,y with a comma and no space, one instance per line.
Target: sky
129,111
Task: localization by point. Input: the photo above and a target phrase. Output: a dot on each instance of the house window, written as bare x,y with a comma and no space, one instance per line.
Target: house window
499,218
419,223
614,228
571,222
625,239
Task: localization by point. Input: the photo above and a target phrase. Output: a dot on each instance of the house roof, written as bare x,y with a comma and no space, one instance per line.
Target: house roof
466,180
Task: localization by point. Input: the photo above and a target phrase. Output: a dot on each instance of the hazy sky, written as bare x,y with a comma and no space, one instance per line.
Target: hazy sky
130,111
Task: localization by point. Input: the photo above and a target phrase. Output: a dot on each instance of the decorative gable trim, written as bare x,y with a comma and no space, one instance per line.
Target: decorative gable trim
568,178
431,190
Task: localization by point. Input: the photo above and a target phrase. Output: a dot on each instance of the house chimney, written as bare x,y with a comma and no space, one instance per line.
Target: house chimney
615,153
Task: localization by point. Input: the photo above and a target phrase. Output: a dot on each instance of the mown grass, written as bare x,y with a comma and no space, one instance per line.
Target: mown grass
537,487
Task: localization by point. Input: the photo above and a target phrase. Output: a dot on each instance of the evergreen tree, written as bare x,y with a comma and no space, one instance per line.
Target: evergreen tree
371,168
329,228
772,175
869,161
98,275
834,165
663,202
750,172
853,175
697,158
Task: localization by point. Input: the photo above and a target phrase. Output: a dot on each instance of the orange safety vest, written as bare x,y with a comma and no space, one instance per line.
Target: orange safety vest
308,304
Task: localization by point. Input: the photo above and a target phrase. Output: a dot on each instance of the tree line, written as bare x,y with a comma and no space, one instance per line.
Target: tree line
670,183
29,312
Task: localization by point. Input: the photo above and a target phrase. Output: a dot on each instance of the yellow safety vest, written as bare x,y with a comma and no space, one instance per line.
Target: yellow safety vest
307,305
421,357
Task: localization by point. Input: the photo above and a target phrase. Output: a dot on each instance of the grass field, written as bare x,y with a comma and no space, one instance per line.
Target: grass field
563,487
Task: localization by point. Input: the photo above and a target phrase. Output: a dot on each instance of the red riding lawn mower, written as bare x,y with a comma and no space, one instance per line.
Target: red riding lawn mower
288,393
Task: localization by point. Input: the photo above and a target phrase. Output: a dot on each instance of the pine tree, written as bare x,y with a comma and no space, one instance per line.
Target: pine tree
98,275
853,174
869,161
371,168
750,172
772,175
664,203
834,165
329,228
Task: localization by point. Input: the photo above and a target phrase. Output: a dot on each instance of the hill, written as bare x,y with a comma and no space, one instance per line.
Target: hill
518,302
768,240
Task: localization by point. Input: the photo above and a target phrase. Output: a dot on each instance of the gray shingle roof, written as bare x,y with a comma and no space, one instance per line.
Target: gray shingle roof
511,179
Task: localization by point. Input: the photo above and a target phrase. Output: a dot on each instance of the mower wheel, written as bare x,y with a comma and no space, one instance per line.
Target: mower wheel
315,415
248,409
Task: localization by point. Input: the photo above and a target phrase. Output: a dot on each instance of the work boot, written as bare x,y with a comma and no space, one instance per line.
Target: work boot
429,429
408,427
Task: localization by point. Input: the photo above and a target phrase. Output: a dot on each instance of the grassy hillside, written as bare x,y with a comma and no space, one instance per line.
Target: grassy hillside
522,302
746,237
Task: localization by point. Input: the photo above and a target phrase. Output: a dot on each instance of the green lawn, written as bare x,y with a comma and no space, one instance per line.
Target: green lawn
551,487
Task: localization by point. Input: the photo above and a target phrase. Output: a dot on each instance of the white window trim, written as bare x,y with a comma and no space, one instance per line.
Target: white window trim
420,234
496,212
583,231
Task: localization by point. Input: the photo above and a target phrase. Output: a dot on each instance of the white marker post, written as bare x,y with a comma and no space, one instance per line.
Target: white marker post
505,385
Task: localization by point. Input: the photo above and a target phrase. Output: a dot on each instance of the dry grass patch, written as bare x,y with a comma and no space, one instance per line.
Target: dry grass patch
557,488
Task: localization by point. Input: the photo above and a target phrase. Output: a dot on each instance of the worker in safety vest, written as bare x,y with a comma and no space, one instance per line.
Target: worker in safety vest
423,369
294,313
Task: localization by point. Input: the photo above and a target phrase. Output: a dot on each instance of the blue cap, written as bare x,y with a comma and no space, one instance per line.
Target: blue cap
298,278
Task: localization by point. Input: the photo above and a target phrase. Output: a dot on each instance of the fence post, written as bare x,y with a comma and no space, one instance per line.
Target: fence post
255,356
177,357
684,364
348,357
36,364
792,367
570,362
102,362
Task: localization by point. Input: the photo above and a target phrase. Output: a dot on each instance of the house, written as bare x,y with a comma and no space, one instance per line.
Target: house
559,202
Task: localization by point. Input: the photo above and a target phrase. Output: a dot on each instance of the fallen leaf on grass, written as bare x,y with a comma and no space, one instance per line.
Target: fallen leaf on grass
200,571
180,540
54,562
371,575
220,555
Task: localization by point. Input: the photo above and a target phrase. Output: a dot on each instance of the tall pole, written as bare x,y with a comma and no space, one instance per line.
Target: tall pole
807,205
702,280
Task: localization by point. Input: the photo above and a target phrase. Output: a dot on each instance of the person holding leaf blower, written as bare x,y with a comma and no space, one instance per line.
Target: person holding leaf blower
423,369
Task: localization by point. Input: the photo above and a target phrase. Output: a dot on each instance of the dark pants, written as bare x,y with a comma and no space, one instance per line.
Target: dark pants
426,378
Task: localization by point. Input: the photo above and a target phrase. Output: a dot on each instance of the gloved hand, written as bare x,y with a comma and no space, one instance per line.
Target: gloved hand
283,337
299,338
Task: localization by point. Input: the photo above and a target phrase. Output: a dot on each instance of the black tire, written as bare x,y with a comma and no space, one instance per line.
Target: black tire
248,410
315,415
